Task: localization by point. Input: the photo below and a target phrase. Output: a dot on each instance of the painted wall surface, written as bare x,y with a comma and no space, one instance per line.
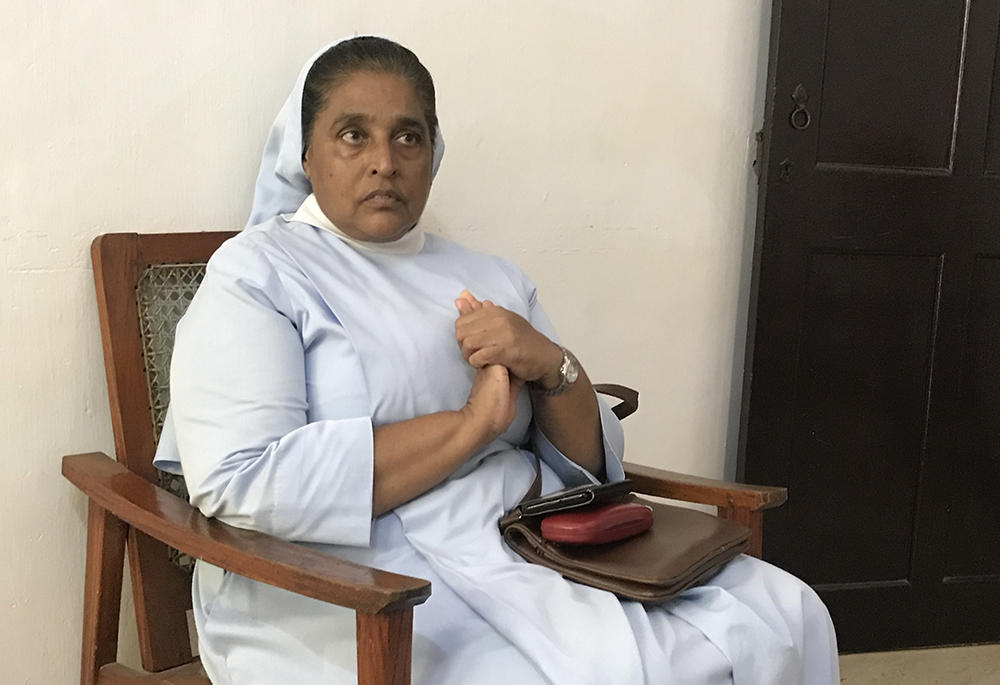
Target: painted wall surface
604,147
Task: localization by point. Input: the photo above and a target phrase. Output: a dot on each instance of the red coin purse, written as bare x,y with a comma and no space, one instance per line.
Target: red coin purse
606,523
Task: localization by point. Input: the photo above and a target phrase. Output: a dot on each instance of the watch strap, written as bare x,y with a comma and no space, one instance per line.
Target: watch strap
568,373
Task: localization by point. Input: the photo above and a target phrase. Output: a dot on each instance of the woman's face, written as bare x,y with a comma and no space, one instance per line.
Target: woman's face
369,157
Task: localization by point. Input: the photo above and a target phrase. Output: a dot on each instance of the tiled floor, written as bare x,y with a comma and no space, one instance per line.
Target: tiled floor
945,666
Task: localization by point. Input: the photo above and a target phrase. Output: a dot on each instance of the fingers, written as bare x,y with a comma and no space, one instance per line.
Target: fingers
486,356
478,359
491,335
466,303
501,342
488,333
486,315
477,327
493,372
472,303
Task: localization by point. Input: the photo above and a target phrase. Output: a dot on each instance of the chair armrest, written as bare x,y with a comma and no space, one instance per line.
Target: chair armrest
659,483
248,553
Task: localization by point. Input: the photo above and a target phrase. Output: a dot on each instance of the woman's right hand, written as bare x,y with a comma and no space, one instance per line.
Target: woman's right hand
414,455
492,402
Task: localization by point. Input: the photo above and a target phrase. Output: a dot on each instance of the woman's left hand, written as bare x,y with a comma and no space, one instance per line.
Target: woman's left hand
489,334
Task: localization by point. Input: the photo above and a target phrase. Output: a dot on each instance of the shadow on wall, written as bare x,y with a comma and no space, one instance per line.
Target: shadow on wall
747,262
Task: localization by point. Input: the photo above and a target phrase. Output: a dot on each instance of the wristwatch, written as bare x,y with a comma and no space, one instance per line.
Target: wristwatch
568,373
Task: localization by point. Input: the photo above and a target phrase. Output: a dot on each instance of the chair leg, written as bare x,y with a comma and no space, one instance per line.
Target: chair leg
102,590
385,644
754,520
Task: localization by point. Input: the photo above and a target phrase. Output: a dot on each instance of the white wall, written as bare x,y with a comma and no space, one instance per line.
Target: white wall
603,146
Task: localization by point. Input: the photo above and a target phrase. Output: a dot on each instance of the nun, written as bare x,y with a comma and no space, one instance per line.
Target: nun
346,381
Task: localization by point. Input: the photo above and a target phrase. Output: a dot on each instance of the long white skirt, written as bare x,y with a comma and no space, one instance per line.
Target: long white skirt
752,624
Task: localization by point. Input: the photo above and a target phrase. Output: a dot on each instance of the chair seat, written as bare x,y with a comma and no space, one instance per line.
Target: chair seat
189,674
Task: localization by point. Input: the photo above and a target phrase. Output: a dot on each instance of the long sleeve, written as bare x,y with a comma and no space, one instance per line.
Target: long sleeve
571,473
240,411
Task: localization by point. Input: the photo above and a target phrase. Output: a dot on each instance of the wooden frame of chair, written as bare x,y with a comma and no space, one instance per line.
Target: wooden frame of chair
126,504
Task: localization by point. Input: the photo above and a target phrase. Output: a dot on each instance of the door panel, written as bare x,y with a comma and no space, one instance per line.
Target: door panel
872,114
860,413
974,518
992,151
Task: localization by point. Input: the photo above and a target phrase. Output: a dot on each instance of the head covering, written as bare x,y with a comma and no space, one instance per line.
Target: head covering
282,185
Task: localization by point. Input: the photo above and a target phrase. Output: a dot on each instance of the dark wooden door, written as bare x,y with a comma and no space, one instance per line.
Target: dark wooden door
873,374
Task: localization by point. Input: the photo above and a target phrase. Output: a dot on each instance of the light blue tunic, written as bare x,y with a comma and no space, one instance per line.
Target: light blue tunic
295,346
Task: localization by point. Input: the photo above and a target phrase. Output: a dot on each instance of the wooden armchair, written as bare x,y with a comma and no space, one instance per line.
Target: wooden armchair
144,283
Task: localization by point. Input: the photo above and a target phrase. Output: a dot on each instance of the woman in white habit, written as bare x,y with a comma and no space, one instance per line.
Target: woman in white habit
346,381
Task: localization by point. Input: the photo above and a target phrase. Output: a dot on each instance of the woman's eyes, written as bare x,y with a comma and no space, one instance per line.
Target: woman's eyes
406,138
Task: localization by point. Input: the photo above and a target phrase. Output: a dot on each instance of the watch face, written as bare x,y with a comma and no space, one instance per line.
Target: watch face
571,373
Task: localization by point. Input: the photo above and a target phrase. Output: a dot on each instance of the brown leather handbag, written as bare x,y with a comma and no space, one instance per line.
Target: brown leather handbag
682,548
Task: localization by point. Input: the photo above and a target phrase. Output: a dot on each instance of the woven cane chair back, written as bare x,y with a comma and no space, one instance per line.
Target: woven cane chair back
163,295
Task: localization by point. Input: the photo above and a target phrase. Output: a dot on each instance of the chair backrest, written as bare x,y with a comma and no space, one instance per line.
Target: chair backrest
144,284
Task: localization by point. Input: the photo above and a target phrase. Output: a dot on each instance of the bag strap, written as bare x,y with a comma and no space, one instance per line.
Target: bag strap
533,492
629,398
536,485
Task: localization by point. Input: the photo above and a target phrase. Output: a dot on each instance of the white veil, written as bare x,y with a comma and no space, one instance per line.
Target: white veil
281,183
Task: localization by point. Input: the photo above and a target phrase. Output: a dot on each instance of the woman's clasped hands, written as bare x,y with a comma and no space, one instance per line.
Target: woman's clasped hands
506,351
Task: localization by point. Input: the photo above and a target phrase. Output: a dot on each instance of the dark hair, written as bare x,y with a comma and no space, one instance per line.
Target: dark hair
364,53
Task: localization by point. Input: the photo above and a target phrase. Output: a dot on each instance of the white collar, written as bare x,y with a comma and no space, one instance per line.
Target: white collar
409,244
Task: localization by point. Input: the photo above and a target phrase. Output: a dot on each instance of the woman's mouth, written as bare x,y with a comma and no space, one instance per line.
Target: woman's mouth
383,198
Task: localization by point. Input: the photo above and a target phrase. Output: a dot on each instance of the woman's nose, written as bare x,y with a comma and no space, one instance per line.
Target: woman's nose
382,161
